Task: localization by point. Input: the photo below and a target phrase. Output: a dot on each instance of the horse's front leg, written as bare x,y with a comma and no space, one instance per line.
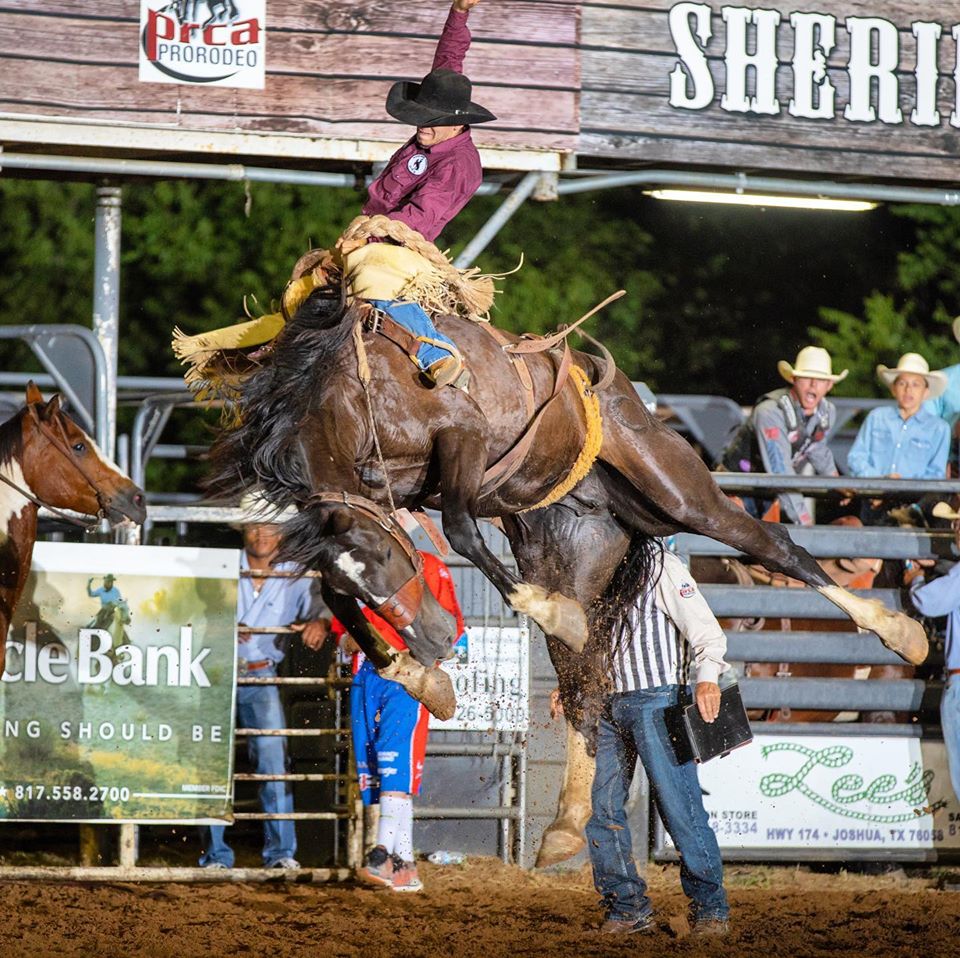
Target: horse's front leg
462,456
431,686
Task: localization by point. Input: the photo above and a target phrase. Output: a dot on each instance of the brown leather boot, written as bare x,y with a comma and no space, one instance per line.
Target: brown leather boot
444,371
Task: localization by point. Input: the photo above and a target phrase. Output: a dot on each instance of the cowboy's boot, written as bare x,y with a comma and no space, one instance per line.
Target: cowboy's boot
444,371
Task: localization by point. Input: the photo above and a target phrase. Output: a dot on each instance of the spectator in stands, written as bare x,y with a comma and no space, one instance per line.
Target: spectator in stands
788,430
389,730
265,602
649,663
942,597
906,442
947,404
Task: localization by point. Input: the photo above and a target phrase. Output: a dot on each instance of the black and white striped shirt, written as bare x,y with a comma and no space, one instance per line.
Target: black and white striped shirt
671,621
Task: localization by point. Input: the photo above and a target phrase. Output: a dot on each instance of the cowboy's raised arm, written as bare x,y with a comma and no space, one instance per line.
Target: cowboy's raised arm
455,39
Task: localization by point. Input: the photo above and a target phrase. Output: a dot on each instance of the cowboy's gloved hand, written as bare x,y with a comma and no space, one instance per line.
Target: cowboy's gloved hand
464,5
708,700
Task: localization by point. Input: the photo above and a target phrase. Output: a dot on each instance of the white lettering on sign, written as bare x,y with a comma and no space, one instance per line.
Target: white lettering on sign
750,62
98,661
763,62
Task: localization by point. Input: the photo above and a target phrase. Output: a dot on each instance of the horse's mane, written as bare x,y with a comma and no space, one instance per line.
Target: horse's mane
262,450
11,438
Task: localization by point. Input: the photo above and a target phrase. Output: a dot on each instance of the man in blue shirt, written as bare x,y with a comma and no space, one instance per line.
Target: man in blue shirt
263,602
909,441
947,404
942,597
108,592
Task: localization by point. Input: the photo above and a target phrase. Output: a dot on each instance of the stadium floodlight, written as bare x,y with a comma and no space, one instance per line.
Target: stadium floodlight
763,199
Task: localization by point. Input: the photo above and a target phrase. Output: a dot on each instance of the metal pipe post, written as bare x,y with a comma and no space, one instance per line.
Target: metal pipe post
106,296
496,222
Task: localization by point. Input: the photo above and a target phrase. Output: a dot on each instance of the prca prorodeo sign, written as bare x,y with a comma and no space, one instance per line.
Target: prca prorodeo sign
212,42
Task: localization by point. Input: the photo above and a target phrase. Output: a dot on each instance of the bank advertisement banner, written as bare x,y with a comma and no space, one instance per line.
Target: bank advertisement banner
491,676
210,42
871,793
116,703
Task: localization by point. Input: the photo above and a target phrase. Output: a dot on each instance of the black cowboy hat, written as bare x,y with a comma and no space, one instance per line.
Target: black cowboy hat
442,99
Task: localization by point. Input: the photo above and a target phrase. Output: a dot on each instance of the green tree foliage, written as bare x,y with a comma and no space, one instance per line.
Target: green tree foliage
714,296
911,313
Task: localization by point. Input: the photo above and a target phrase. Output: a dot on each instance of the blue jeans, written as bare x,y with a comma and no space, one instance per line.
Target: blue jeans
950,723
258,706
413,319
631,726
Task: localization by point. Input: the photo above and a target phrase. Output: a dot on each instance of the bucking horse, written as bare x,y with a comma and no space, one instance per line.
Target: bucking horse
553,442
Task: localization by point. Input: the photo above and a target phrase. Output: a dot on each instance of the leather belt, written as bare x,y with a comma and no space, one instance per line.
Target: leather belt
243,666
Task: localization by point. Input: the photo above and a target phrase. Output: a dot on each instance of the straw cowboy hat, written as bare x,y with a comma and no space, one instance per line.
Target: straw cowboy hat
956,329
943,510
261,512
916,364
441,99
813,362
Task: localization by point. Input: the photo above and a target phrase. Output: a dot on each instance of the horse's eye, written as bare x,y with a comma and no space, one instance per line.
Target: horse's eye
79,447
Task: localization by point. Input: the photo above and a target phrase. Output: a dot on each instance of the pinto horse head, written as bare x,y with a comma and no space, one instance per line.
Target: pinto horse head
363,555
63,467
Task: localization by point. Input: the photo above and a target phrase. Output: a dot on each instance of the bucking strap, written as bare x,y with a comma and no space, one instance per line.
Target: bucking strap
540,344
519,367
510,462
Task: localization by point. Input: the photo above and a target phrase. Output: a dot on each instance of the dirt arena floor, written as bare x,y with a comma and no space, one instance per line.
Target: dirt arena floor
481,909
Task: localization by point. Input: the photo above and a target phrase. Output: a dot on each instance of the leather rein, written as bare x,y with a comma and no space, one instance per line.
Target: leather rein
401,608
59,442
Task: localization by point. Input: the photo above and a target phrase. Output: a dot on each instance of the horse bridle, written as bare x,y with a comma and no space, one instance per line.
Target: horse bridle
401,608
60,443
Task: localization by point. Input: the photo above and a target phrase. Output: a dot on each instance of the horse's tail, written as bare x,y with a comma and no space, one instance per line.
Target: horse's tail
634,576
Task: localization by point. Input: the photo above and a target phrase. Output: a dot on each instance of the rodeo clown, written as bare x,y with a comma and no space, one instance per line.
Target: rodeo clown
427,182
389,730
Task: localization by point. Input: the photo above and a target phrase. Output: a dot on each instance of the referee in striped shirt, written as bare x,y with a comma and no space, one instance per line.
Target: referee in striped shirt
670,624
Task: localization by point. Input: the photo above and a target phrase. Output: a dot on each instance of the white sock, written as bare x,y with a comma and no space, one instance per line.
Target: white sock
404,845
391,821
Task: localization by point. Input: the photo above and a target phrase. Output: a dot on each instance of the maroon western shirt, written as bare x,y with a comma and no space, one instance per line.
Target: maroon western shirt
426,188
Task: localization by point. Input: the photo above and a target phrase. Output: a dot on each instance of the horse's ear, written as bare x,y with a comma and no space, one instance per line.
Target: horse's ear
339,522
33,393
51,408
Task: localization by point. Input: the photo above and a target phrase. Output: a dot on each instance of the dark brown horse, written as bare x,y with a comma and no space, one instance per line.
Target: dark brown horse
47,459
308,426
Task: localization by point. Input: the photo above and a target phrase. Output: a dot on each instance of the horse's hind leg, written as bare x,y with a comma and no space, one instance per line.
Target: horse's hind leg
461,454
663,467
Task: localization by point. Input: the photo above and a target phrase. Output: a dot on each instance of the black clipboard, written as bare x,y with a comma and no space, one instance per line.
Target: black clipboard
701,741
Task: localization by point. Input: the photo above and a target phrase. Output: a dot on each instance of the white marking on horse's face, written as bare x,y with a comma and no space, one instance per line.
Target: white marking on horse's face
12,503
112,466
353,569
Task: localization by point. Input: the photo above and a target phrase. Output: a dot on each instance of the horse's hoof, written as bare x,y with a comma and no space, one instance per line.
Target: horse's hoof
557,615
907,638
433,687
557,845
